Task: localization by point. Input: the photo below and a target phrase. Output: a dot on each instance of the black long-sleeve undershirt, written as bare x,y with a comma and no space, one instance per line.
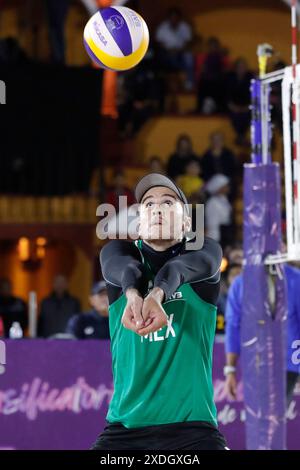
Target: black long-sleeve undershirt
122,268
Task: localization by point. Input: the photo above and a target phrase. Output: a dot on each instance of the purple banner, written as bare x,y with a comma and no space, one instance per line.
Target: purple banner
54,395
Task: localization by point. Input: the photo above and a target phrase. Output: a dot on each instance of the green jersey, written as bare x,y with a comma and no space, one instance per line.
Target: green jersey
166,376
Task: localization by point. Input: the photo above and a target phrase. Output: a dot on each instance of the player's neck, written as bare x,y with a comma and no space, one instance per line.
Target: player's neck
161,245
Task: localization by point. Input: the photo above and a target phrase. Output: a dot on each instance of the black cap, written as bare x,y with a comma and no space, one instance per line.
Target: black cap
156,179
98,287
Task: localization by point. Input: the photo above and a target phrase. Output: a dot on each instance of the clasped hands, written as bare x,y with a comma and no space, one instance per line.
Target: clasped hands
144,315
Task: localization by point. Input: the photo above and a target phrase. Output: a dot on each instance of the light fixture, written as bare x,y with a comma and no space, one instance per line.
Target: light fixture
31,251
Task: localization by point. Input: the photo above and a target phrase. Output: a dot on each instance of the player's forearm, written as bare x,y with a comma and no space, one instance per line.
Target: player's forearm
191,266
131,276
232,359
121,267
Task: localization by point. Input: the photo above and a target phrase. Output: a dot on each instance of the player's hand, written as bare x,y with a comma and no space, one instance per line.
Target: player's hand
153,313
132,316
231,386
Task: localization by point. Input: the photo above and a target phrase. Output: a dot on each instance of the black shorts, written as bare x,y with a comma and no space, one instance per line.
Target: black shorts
189,435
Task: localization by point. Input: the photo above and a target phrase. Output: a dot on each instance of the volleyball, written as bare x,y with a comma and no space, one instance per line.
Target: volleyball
116,38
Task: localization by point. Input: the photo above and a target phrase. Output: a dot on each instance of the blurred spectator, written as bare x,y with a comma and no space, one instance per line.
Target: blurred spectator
220,159
94,323
11,52
124,104
174,36
57,309
184,154
156,165
218,210
199,48
12,309
139,96
211,95
191,182
146,95
234,254
56,14
119,189
238,99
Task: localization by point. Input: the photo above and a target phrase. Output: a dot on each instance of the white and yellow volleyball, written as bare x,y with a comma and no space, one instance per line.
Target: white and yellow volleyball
116,38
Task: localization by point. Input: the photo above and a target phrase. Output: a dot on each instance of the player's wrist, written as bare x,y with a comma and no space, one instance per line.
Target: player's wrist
131,293
157,293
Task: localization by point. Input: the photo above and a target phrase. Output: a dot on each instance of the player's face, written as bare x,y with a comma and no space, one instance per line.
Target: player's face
162,215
